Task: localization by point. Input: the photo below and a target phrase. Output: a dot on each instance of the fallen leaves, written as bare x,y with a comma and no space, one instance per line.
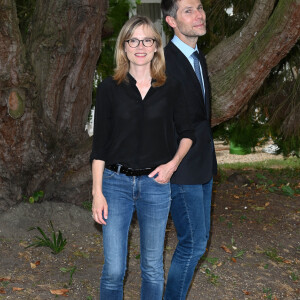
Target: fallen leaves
34,265
60,292
8,278
226,249
2,291
17,289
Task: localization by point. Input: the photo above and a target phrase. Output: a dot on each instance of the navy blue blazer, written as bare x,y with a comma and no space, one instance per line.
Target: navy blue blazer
200,164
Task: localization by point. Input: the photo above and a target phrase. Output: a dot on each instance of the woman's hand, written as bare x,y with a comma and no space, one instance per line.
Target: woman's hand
164,172
100,208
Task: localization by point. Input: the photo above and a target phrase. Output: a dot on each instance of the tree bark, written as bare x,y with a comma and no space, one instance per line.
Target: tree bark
246,68
51,72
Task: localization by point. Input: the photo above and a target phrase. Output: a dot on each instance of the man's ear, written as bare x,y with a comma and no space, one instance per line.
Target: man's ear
171,21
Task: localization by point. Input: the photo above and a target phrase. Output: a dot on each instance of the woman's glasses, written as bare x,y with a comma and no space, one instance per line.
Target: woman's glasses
133,43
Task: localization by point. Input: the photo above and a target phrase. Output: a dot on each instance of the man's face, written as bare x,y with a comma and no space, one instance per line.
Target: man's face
190,21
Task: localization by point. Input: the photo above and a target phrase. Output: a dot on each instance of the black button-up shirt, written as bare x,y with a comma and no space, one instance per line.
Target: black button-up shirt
135,132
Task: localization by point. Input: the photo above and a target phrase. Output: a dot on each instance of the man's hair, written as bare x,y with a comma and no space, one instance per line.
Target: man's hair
158,65
169,8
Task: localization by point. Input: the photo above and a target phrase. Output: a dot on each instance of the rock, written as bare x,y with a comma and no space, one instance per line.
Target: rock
238,179
68,218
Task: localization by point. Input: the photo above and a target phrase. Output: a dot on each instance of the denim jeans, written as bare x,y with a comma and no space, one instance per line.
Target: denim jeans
190,210
151,200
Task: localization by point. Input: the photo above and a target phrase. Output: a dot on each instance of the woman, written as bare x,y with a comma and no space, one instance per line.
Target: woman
134,155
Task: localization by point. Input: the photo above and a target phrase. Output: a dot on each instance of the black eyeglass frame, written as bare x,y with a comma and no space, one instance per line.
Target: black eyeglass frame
153,40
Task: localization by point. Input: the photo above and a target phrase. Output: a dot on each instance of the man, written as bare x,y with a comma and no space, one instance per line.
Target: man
192,182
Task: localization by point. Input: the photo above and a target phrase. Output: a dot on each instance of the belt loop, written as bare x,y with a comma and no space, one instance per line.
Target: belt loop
119,168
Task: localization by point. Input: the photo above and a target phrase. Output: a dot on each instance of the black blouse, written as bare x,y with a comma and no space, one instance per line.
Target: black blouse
138,133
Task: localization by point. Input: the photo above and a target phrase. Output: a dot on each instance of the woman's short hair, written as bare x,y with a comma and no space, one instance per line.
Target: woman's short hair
158,66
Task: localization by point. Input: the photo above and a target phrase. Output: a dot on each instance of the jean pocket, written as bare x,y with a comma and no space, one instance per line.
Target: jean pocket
153,178
108,174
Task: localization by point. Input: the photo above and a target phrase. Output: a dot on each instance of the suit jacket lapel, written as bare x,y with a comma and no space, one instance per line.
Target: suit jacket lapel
206,83
181,59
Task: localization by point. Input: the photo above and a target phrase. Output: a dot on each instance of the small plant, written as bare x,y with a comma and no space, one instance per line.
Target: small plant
294,276
87,205
268,293
211,276
71,270
239,254
35,197
272,254
229,224
287,190
57,244
212,260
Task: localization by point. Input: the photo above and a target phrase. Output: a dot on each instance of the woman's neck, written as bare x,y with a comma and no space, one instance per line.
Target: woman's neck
140,74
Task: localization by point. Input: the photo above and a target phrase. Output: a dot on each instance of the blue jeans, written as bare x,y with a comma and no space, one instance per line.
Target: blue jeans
151,200
190,210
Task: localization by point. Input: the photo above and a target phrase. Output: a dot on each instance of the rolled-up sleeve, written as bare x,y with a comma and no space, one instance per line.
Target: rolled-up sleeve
182,121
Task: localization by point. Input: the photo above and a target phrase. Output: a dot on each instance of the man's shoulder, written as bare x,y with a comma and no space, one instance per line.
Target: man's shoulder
171,49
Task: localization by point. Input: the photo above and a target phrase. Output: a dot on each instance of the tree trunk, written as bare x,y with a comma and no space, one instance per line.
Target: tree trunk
249,58
45,98
46,84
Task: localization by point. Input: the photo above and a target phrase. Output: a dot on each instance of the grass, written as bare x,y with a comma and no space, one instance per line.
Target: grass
283,173
291,162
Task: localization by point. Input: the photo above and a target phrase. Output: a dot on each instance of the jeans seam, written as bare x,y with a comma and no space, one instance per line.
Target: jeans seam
189,260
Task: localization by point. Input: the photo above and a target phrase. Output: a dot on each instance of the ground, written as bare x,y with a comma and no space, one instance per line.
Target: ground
253,253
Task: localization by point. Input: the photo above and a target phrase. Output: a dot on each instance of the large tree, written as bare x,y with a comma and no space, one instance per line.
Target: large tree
46,76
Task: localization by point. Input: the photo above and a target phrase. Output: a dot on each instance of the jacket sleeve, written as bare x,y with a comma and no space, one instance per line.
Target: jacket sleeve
182,120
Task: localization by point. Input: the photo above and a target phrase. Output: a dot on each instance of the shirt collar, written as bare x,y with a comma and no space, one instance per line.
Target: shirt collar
183,47
133,81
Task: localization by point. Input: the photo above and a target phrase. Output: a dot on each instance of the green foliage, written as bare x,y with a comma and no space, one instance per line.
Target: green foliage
57,244
36,196
287,190
273,255
244,131
268,293
279,102
116,17
87,205
213,278
294,276
70,270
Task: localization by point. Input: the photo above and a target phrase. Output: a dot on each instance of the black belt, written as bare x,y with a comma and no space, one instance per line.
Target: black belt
129,171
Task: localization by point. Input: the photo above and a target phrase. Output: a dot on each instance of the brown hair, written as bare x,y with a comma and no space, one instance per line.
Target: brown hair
158,65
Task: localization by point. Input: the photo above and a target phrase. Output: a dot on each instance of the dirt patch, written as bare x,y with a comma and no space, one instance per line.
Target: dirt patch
254,250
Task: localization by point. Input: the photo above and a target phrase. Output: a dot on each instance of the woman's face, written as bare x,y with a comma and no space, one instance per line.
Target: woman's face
141,55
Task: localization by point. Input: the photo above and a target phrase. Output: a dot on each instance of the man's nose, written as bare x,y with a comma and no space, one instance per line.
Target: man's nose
200,14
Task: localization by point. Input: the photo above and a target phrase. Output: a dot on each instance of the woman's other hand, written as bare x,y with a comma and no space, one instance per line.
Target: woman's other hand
100,209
